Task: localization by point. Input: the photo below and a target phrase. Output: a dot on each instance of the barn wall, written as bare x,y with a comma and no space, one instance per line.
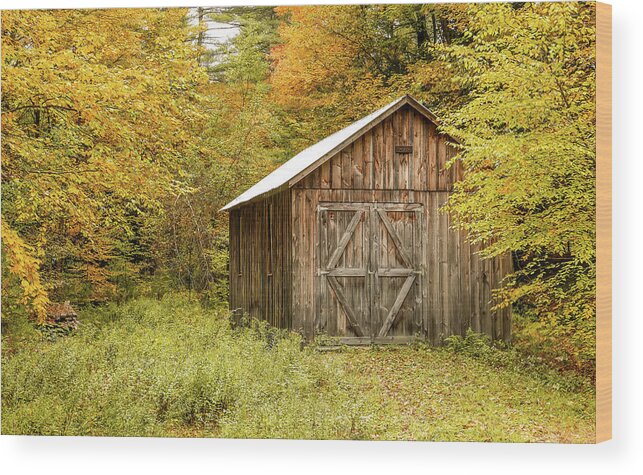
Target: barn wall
254,289
372,163
456,285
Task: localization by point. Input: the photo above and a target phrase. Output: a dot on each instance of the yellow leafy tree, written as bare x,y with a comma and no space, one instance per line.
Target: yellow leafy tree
336,63
98,109
25,267
529,153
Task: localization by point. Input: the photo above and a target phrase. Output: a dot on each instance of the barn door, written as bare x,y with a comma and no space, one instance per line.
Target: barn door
396,261
344,309
370,271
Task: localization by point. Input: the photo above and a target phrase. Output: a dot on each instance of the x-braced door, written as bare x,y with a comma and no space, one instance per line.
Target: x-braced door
344,290
396,262
370,271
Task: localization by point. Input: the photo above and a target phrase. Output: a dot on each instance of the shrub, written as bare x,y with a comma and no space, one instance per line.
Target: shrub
499,354
565,344
171,367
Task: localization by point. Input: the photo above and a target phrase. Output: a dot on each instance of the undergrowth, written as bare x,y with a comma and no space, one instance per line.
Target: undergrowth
174,367
501,355
171,367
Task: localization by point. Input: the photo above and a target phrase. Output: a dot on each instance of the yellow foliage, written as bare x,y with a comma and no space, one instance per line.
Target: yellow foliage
25,267
99,108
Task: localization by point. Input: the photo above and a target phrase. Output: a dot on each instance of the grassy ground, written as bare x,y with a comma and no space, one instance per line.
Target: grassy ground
436,394
172,368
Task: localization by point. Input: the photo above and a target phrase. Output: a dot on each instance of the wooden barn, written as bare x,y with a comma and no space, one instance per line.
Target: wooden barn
346,239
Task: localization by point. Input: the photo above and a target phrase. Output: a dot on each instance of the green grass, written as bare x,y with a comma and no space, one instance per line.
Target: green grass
436,394
173,368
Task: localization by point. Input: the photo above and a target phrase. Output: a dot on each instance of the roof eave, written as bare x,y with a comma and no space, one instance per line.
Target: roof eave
232,205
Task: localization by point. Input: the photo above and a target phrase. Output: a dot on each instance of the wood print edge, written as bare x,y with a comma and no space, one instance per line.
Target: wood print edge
603,222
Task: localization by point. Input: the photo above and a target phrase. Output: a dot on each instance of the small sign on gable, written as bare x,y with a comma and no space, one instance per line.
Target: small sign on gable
404,149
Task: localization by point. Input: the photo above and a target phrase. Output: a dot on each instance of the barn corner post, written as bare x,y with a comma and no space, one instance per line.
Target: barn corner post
367,257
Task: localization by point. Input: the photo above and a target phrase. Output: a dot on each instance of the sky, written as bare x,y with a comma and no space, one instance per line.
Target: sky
216,32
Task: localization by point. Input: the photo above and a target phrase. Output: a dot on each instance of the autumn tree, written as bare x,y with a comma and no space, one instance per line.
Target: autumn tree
529,152
97,105
243,139
336,63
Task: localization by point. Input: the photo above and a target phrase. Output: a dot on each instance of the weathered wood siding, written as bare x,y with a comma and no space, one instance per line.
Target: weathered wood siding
371,162
454,284
260,273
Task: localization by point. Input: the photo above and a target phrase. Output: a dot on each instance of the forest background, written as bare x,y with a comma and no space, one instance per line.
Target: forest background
124,132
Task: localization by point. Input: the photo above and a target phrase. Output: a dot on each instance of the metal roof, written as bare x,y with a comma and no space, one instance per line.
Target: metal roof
309,159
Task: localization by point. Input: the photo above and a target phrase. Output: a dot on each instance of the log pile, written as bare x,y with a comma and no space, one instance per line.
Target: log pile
62,315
